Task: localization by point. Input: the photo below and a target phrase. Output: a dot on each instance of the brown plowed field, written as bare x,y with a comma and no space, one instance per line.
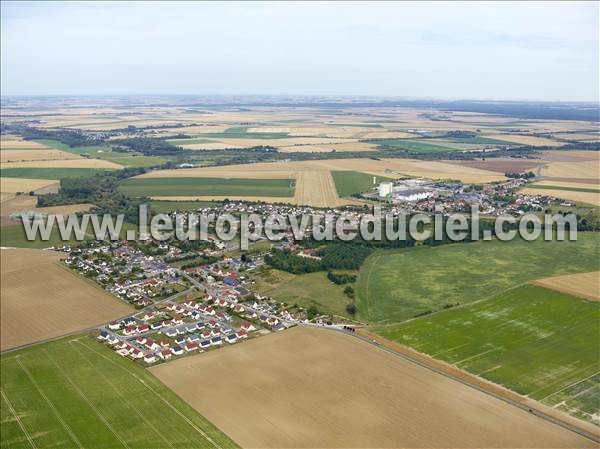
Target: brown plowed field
309,388
41,299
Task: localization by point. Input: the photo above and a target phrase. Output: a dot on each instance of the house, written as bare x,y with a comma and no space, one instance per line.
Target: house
248,326
164,343
129,321
176,350
114,326
103,335
165,354
143,328
152,345
193,337
121,345
141,339
171,332
239,308
241,334
180,340
231,338
216,341
206,334
192,346
112,339
136,353
149,358
190,328
157,325
123,352
129,330
213,324
204,344
177,320
200,326
278,327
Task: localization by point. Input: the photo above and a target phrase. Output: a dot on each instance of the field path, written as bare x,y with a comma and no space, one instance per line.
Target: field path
88,402
49,402
19,422
171,406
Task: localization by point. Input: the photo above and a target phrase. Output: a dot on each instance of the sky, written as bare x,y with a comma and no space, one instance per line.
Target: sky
463,50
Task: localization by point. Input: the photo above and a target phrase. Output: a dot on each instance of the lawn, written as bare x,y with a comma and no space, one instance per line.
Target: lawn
479,140
537,342
77,393
351,182
207,186
49,173
237,132
305,290
396,285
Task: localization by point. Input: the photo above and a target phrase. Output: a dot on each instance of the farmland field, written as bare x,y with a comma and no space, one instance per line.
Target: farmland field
307,387
13,235
535,341
49,173
350,182
415,146
52,302
77,393
399,284
584,285
207,186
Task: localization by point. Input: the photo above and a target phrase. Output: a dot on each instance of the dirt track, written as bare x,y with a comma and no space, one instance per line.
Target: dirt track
306,387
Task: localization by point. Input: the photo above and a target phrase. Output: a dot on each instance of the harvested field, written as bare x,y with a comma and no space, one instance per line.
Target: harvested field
66,163
307,388
502,165
7,156
584,285
41,299
14,185
571,195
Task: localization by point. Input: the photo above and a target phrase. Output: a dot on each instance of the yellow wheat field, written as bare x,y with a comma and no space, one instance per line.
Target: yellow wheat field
15,185
7,156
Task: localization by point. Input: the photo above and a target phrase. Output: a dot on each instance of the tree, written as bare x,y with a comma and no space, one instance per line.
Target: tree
351,309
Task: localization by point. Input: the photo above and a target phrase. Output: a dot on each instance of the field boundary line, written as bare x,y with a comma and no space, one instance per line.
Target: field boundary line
570,385
85,398
21,425
186,419
116,390
50,403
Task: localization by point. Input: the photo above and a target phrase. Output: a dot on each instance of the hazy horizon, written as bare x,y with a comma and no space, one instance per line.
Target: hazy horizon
447,51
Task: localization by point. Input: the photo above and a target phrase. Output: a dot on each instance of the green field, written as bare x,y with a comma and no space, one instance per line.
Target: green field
479,140
77,393
566,188
14,235
237,132
413,146
396,285
305,290
129,159
351,182
138,187
537,342
49,173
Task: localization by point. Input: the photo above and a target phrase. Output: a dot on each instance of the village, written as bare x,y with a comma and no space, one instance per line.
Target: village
198,299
